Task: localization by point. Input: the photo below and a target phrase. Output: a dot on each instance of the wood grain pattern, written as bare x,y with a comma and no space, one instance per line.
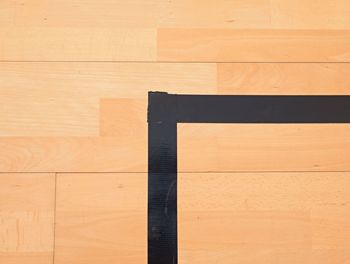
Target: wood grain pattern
74,77
27,218
123,118
230,45
284,78
62,99
77,44
246,14
310,14
74,154
264,217
101,218
127,30
289,216
178,13
230,147
201,147
84,14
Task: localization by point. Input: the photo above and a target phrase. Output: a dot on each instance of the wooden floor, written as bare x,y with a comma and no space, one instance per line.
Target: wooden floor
74,77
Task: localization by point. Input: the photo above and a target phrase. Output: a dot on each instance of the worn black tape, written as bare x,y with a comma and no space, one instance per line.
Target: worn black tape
262,109
162,192
166,110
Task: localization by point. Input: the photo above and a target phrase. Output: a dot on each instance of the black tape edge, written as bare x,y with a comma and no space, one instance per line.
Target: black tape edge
166,110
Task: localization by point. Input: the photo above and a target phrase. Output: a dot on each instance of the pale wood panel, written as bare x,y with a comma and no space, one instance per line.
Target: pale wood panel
301,14
326,14
201,147
74,154
216,14
26,258
261,147
77,44
7,12
27,218
123,118
101,218
122,145
62,99
84,13
126,30
227,45
264,218
284,78
258,14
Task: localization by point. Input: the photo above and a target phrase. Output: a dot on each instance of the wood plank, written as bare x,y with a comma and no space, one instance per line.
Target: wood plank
27,218
264,217
7,12
216,14
244,14
123,118
74,154
259,147
101,218
83,14
248,14
26,258
77,44
230,45
301,14
33,94
284,78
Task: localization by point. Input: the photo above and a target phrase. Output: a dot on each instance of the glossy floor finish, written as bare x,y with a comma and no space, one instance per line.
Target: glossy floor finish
74,77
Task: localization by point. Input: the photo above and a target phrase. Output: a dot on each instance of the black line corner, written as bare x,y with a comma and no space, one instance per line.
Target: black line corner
162,107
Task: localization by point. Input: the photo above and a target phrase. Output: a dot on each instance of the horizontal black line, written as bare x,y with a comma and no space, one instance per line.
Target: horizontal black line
166,110
257,109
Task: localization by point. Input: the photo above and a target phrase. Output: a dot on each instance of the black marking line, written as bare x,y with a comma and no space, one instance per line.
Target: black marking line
166,110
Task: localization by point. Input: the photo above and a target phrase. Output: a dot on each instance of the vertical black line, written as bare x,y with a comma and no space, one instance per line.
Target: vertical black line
162,193
165,110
